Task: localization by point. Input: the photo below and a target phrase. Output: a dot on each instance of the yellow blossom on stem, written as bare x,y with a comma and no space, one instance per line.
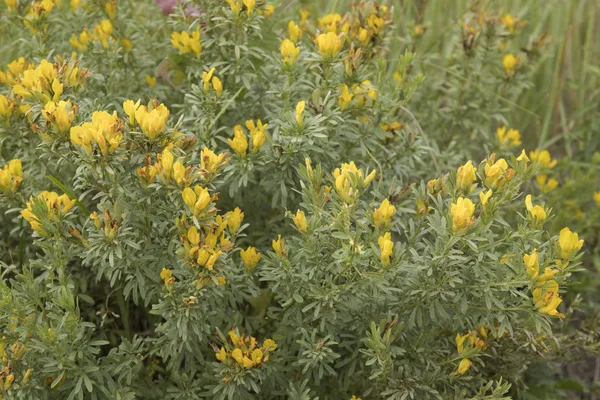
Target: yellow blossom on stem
150,80
234,219
239,143
6,106
345,97
186,43
289,51
235,5
569,243
211,163
268,10
130,108
484,197
300,221
257,134
329,44
510,138
60,115
538,214
330,22
464,366
382,215
197,199
167,276
11,176
294,31
510,62
279,246
462,214
206,78
250,4
299,111
250,257
465,176
547,301
532,264
386,247
543,157
55,208
546,185
105,132
497,173
217,85
344,178
152,122
523,157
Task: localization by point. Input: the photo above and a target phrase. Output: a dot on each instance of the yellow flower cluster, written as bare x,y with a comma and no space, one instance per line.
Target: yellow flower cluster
244,351
462,214
239,143
497,173
208,79
329,44
476,341
386,247
510,138
60,115
350,182
250,257
289,51
186,42
36,13
11,176
9,357
465,176
203,247
537,212
108,223
510,63
152,120
279,247
360,94
382,216
545,289
211,164
46,206
236,7
104,132
102,32
46,82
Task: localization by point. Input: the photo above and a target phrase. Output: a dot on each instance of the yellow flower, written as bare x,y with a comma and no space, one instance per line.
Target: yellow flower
523,157
462,214
234,219
484,197
269,345
329,44
279,246
197,199
257,134
6,106
294,31
497,173
386,246
130,108
330,22
343,179
510,138
543,157
186,43
210,163
11,176
299,110
55,208
221,355
152,122
111,9
11,4
597,198
465,177
546,185
382,215
250,257
510,62
289,51
547,301
531,262
206,77
217,85
60,115
464,366
105,132
150,80
239,143
268,9
235,5
250,4
509,22
538,214
300,221
569,243
345,97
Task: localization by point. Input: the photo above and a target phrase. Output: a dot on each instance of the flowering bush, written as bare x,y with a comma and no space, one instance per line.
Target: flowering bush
258,208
